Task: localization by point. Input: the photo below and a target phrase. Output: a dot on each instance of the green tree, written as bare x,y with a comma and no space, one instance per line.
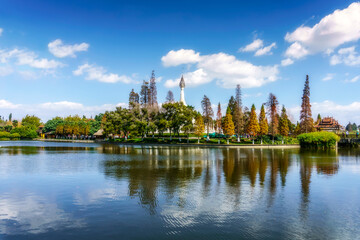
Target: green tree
318,119
15,123
32,122
232,105
145,94
25,132
284,123
133,98
51,125
161,124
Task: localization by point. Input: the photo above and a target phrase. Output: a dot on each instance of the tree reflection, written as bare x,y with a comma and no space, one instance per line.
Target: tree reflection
176,172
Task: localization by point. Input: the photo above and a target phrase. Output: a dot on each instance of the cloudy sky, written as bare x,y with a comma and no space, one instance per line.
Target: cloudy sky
68,57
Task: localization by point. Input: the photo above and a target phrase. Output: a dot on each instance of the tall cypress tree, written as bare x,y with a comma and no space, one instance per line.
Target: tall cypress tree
237,114
153,90
218,118
318,119
272,106
284,123
207,113
306,121
232,105
264,127
228,124
253,126
144,94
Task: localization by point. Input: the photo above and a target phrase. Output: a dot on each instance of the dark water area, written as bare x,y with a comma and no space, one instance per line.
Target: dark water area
94,191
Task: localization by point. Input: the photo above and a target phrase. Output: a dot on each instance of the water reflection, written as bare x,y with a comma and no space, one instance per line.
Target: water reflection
33,214
170,170
173,191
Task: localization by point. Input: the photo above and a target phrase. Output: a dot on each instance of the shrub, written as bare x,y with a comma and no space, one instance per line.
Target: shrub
318,140
4,135
7,135
25,132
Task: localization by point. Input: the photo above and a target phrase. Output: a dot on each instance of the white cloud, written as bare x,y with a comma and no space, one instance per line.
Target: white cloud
333,30
51,109
342,113
5,70
296,50
328,77
20,211
8,105
29,58
228,71
266,50
29,74
1,31
286,62
100,74
182,56
255,45
59,49
193,79
348,56
353,80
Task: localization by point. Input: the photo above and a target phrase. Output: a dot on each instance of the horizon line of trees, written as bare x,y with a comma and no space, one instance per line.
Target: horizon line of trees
144,116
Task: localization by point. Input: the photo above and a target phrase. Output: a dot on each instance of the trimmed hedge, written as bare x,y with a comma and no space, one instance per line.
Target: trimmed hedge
318,140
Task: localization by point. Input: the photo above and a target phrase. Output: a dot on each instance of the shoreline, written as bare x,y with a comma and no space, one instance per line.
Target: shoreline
176,144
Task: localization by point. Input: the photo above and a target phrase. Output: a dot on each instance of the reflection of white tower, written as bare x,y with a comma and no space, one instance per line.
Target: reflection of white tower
182,94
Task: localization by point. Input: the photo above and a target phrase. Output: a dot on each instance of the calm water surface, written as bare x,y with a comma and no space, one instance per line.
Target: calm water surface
91,191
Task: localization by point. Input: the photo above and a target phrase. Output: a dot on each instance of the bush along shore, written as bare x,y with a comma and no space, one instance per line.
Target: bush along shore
318,140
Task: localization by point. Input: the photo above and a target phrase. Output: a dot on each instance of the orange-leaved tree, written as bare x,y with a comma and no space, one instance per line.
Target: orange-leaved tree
263,123
253,127
229,128
199,126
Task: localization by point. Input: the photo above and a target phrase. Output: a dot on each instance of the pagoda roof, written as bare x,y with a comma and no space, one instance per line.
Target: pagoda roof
328,122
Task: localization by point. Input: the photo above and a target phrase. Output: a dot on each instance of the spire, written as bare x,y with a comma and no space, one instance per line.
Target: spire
182,94
182,82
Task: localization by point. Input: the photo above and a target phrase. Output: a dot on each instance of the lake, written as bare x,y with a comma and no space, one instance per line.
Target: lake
93,191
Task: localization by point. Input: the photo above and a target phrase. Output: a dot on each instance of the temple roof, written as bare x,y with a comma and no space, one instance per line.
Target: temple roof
328,122
182,82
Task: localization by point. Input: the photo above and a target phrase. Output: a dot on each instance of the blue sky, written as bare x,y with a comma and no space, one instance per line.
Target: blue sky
67,57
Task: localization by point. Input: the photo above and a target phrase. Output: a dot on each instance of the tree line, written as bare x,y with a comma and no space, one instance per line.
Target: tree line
145,117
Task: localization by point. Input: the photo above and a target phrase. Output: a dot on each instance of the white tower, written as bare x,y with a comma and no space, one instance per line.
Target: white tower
182,94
